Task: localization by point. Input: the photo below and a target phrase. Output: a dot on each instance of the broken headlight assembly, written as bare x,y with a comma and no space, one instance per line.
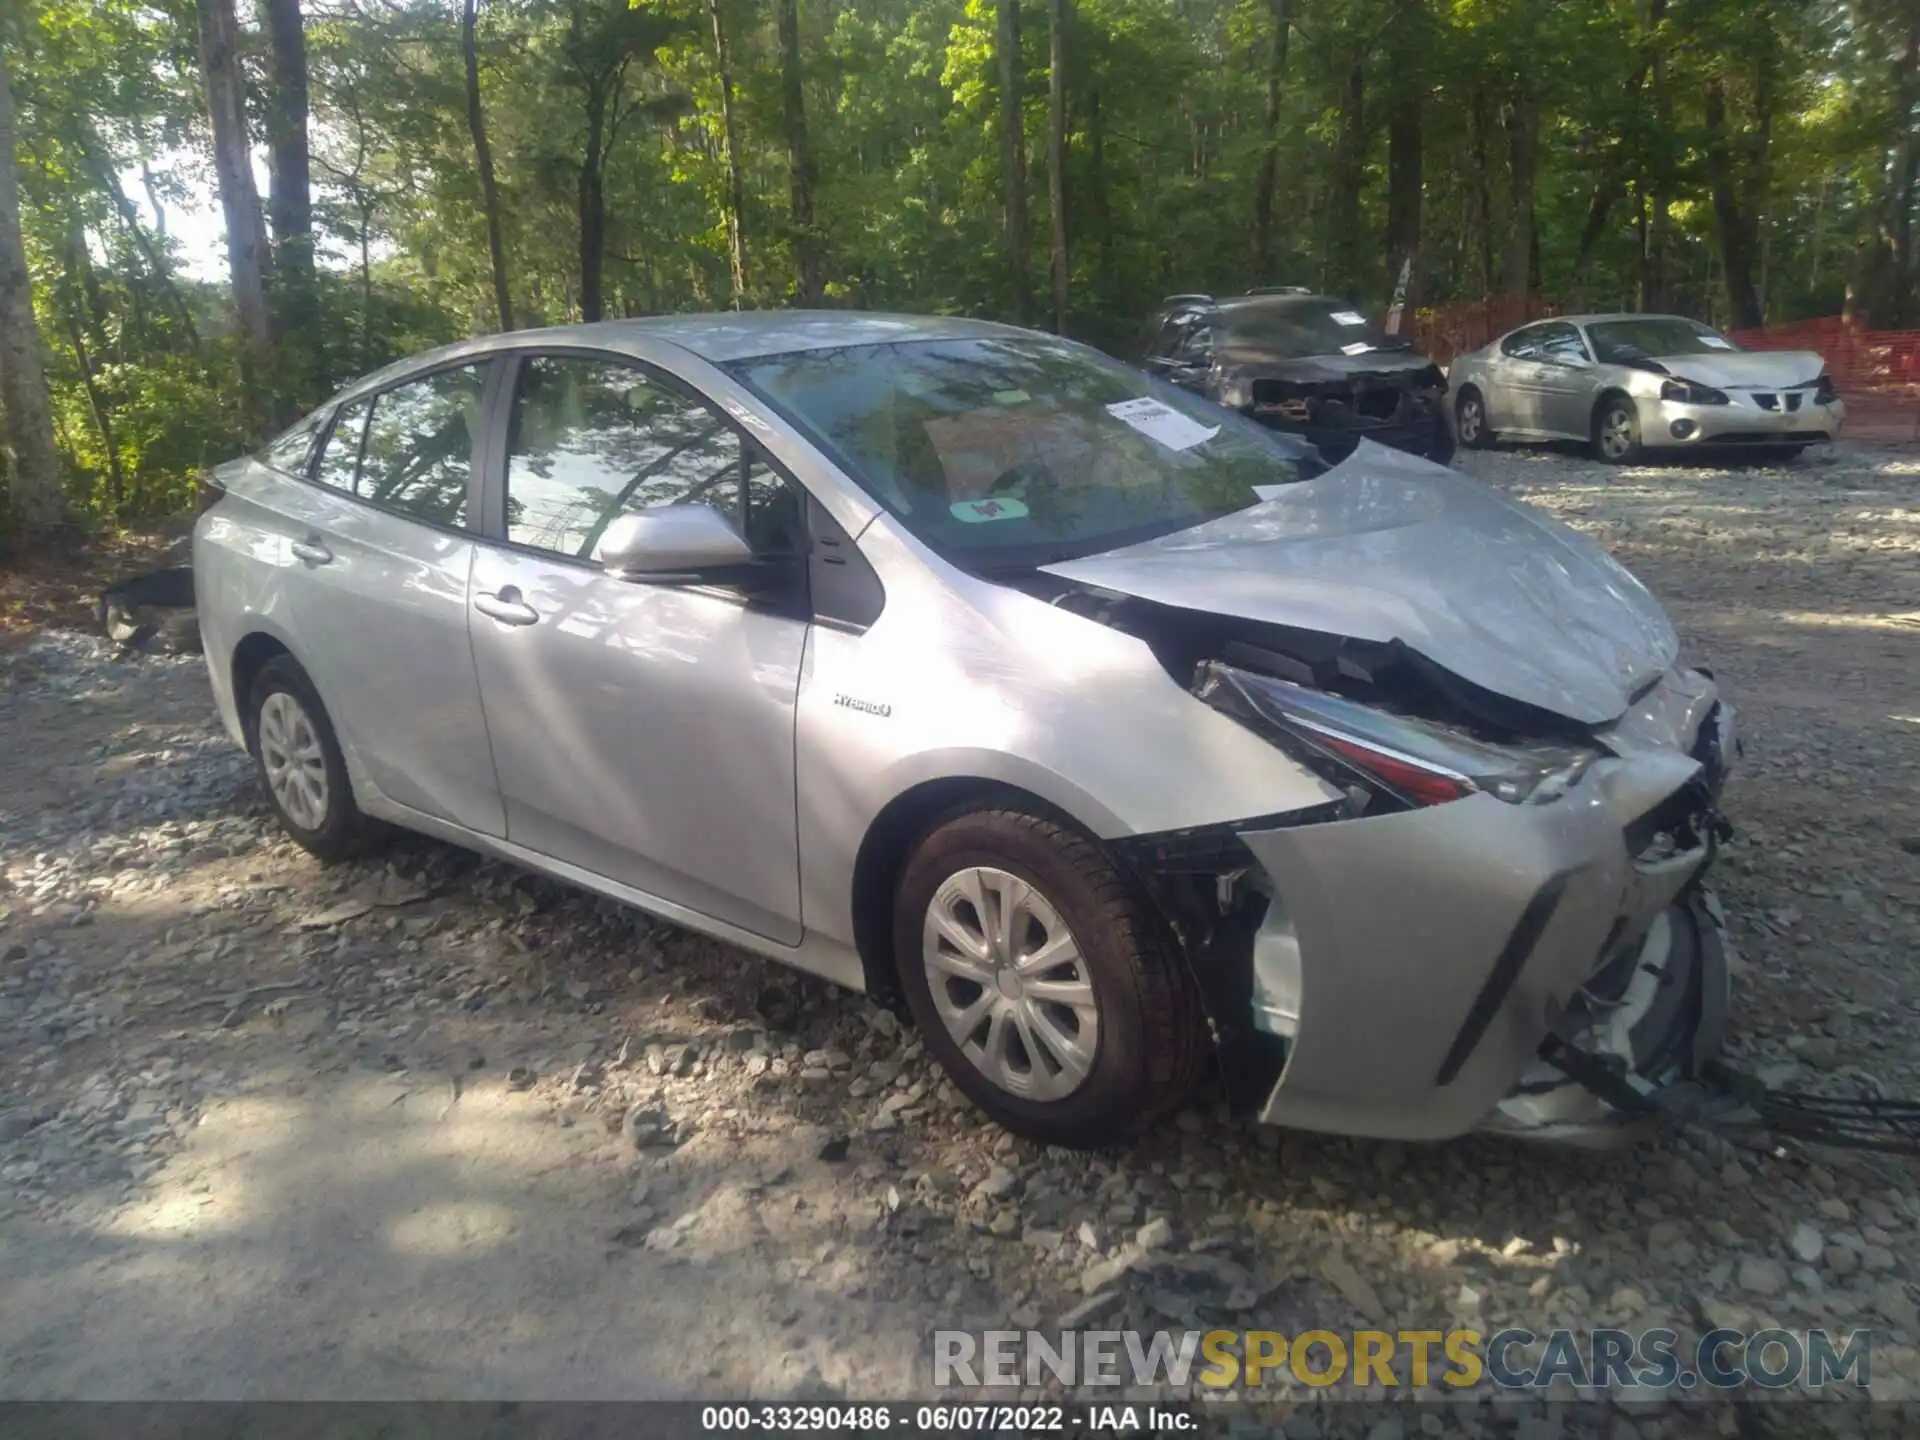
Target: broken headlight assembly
1403,761
1692,392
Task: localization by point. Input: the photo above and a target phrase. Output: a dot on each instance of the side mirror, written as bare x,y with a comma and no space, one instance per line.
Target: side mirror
672,541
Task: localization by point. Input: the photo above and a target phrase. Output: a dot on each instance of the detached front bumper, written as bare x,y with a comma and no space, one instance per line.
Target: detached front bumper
1414,963
1781,417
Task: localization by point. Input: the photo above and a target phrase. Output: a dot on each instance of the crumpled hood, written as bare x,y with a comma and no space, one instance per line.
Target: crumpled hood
1386,546
1748,369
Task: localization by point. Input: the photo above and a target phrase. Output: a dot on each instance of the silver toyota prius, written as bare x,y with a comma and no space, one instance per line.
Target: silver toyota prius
1626,384
1115,737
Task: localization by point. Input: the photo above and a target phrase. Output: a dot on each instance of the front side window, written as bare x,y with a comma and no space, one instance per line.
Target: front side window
340,460
1014,452
419,447
593,439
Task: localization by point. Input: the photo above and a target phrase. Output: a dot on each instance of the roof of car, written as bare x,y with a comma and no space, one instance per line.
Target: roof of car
718,337
1609,315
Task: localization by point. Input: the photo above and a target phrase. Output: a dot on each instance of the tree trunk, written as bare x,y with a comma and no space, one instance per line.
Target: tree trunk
1656,250
290,198
1343,212
1483,189
736,187
483,161
808,287
1516,270
1057,154
1734,219
247,252
1268,185
1013,153
82,285
33,474
1102,206
593,207
1404,164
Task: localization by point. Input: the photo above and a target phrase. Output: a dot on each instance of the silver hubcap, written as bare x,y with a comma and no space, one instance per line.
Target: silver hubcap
1469,420
296,766
1616,433
1010,984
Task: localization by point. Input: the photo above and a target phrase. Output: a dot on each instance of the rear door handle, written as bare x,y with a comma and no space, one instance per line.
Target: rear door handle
313,550
507,607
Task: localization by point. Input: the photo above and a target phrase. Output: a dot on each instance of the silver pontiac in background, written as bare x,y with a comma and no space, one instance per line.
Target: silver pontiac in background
1625,384
1112,732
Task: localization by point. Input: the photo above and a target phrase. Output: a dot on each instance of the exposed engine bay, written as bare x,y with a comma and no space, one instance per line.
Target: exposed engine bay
1396,400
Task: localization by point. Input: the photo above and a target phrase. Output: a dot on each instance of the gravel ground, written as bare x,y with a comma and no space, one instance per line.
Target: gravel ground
428,1126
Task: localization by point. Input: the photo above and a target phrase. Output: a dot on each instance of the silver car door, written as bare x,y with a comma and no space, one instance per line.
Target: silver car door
1566,383
1513,381
641,731
374,592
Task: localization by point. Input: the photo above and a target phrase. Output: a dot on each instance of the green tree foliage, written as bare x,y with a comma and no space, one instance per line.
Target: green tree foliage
1735,161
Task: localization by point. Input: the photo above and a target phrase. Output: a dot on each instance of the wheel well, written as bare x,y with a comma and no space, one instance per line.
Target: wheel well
888,845
250,657
1465,390
1601,402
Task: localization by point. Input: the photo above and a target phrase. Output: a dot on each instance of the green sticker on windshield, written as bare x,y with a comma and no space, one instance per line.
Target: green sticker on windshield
1010,397
993,507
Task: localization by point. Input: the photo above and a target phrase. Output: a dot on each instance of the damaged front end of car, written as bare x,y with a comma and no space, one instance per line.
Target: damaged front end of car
1400,962
1522,782
1335,402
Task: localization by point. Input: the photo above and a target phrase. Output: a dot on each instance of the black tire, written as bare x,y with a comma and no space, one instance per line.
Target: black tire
342,831
1151,1047
1616,416
1470,419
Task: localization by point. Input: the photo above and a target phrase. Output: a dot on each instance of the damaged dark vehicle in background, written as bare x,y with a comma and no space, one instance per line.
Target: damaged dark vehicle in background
1307,364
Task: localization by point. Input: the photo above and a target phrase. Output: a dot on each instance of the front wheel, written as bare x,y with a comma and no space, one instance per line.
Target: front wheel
1040,983
1470,419
1616,430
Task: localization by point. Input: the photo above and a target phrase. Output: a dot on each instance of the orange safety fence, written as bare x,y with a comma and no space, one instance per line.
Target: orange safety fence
1877,372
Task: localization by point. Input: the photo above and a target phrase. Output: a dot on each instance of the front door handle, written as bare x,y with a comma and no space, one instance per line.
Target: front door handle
507,607
313,550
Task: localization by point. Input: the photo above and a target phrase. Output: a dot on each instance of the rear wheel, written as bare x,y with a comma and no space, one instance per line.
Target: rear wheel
1616,430
1039,983
1470,419
300,762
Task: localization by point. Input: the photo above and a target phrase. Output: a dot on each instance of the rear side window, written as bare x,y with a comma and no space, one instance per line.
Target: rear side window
1561,342
592,439
340,460
1522,344
419,448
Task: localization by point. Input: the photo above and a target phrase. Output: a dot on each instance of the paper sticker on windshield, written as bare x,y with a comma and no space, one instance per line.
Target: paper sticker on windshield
1349,317
1010,397
1162,423
1715,341
1358,347
993,507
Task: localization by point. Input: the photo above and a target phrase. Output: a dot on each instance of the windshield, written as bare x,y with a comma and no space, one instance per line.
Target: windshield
1293,328
1645,337
1022,452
